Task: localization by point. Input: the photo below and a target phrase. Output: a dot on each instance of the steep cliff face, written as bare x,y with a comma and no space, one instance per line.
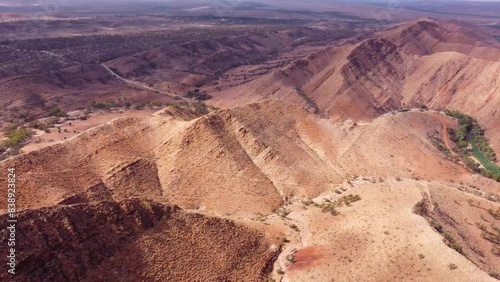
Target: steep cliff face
134,240
421,63
376,65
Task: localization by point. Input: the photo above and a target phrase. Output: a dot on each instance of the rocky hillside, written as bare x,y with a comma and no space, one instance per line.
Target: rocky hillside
231,164
134,240
423,63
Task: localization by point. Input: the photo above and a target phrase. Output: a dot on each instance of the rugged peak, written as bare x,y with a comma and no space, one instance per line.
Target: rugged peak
372,49
424,23
418,37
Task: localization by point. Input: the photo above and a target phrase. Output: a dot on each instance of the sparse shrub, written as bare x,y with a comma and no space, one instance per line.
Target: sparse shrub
282,212
452,266
158,104
103,105
307,202
16,137
421,256
452,243
198,95
398,178
330,207
200,108
438,143
437,226
57,112
11,127
291,257
495,213
140,106
347,200
471,164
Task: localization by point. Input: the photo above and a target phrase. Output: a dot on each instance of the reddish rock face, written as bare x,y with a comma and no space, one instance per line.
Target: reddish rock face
138,239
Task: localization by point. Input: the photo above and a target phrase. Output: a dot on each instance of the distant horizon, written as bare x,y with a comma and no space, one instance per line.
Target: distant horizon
48,2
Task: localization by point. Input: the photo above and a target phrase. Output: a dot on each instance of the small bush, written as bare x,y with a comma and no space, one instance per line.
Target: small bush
282,212
103,105
201,108
140,106
495,213
57,112
198,96
307,202
330,208
291,257
434,224
11,127
347,200
452,243
16,137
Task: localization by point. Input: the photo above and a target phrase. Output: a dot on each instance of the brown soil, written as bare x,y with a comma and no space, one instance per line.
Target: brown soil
71,128
308,258
260,166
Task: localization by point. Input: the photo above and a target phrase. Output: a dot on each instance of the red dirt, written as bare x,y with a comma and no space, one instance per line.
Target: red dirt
444,132
309,257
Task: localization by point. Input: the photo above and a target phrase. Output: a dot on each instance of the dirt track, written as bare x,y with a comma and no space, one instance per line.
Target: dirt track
135,83
444,131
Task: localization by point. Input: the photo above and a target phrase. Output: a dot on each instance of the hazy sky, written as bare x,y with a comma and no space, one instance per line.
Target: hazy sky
45,2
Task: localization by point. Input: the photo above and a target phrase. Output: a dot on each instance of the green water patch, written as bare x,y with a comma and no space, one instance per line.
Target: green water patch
487,164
